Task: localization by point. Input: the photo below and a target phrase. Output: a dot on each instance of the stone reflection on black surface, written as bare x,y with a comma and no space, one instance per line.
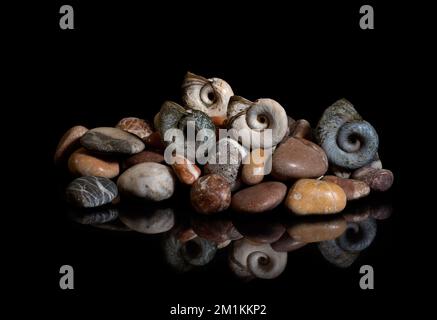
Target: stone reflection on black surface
255,246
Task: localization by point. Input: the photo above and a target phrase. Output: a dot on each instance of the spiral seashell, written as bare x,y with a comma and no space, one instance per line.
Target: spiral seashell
248,260
210,96
255,117
358,235
348,140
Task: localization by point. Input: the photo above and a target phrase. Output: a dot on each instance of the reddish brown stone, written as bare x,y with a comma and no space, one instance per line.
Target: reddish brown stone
82,163
143,156
136,126
210,194
154,141
68,143
186,171
354,189
377,179
298,158
302,129
259,198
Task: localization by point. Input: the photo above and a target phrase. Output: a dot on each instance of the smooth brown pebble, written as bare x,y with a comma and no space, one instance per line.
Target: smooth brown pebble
309,232
82,163
154,141
354,189
378,179
186,171
136,126
298,158
301,129
310,196
143,156
253,171
69,141
259,198
210,194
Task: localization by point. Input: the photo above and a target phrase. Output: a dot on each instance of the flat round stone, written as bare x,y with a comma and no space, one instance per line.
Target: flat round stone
89,192
298,158
259,198
111,140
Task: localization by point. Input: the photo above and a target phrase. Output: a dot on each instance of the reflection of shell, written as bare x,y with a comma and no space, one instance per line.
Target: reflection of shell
332,252
253,118
348,140
182,256
248,259
358,235
207,95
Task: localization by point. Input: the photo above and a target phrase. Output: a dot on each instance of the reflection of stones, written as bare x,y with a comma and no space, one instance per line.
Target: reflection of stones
249,260
114,225
316,230
89,192
362,211
142,219
98,215
382,211
332,252
260,229
183,256
259,198
218,230
287,244
358,235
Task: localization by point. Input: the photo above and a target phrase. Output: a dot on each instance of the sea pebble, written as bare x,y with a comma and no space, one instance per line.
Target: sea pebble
377,179
210,194
111,140
136,126
69,142
89,192
83,163
354,189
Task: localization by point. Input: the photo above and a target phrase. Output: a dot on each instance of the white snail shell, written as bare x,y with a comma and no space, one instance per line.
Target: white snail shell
255,118
253,259
207,95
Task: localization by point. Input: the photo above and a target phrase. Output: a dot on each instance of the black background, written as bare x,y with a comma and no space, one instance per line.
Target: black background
125,60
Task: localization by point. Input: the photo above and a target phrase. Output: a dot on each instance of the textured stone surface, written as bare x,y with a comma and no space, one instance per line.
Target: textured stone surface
111,140
210,194
69,142
259,198
354,189
316,231
309,196
148,180
82,163
143,156
136,126
88,192
377,179
298,158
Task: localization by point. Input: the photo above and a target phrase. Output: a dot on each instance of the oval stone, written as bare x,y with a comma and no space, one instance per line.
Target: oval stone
89,192
378,179
148,180
69,142
143,156
259,198
82,163
298,158
354,189
210,194
186,171
316,231
136,126
111,140
310,196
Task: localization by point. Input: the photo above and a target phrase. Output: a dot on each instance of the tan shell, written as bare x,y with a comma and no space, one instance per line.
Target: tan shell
207,95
